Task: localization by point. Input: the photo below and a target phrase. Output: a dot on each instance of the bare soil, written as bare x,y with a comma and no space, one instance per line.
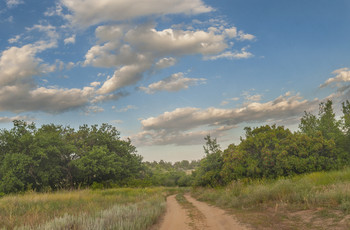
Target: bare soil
206,217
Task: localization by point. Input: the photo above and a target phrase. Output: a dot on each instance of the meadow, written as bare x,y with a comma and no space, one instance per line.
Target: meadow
311,201
117,208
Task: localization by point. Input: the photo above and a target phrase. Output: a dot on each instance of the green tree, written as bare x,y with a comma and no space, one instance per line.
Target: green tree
209,171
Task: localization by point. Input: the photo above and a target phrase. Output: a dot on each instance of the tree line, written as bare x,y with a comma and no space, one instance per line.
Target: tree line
55,157
321,143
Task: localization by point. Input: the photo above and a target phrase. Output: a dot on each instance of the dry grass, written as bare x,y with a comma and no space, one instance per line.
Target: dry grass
313,201
80,209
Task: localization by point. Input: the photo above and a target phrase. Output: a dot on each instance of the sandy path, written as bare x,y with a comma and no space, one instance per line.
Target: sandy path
175,217
209,217
216,218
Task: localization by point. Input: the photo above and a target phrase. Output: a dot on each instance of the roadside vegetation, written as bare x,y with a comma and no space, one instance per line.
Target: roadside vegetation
122,208
319,200
278,179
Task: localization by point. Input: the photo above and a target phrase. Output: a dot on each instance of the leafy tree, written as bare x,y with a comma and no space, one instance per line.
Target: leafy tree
209,171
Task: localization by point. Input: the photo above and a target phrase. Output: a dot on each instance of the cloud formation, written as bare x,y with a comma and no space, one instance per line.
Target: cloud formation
341,75
135,51
184,121
175,82
91,12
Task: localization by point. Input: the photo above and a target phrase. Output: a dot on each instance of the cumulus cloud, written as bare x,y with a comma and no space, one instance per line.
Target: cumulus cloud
134,51
165,62
48,100
173,83
69,40
183,121
18,66
91,12
177,42
125,76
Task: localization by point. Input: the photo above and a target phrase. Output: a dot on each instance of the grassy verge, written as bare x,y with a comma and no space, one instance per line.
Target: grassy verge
313,201
122,208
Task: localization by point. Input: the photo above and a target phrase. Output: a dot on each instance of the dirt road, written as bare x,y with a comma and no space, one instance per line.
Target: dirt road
201,217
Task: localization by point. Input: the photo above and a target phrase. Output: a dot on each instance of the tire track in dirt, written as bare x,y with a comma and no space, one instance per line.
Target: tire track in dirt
197,216
176,217
216,218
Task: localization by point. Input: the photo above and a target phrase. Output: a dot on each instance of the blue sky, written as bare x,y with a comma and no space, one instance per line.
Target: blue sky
168,72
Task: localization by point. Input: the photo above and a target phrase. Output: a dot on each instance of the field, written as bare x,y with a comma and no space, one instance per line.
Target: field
120,208
319,200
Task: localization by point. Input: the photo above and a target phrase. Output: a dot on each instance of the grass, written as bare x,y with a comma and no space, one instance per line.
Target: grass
120,208
300,201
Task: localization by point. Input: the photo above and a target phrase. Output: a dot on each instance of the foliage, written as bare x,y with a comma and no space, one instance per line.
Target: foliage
167,174
209,171
322,144
54,157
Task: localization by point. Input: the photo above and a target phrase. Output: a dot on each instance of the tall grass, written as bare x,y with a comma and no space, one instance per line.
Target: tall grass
122,208
319,189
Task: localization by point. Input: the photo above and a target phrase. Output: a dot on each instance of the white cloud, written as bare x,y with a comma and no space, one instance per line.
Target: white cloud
90,12
173,83
15,39
125,76
242,36
177,42
137,50
184,121
165,62
243,54
341,83
13,3
70,65
231,32
70,40
50,100
342,75
19,64
95,84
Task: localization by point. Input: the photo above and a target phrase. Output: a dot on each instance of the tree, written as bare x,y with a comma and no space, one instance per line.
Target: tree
208,173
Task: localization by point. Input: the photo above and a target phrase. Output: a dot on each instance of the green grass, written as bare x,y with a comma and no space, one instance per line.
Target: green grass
121,208
319,189
327,191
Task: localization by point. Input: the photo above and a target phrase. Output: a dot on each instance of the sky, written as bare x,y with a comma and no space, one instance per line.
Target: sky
166,73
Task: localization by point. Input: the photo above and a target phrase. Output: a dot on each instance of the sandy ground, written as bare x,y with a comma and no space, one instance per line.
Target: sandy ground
212,218
175,217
